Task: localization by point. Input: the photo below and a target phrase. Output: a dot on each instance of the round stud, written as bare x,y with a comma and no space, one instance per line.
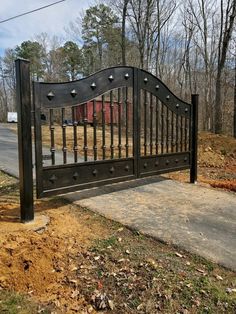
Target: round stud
145,165
93,85
126,76
177,106
176,160
168,97
157,87
73,93
127,168
111,78
95,172
50,95
53,178
145,80
112,169
156,164
167,162
186,110
75,175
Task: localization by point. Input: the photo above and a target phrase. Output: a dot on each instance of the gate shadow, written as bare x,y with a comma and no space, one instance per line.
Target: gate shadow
114,187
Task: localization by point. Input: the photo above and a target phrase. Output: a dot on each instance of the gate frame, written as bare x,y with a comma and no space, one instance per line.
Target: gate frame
23,96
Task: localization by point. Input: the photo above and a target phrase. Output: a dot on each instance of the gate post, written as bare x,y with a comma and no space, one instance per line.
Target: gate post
194,132
23,100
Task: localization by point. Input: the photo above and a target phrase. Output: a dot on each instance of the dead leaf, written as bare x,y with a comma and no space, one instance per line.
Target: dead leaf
218,277
178,254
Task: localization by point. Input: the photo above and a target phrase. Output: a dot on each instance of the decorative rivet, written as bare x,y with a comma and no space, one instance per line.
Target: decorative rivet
145,165
177,105
168,97
126,76
185,159
50,95
156,164
167,162
157,86
127,168
111,78
95,172
53,178
112,169
186,110
176,160
93,85
145,80
73,93
75,175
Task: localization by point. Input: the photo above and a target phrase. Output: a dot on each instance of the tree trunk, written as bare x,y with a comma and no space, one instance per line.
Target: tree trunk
235,98
223,48
218,105
123,39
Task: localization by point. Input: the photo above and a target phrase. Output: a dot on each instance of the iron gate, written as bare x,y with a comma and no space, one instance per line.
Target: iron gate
118,124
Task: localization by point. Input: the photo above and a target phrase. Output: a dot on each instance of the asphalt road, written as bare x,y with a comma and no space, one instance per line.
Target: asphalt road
9,152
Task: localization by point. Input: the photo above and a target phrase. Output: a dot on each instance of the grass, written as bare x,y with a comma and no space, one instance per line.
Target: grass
15,303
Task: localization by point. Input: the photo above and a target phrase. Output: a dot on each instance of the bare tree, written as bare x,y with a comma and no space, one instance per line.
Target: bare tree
204,18
123,34
227,18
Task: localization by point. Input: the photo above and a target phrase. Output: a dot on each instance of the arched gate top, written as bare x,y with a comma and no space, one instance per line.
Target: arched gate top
57,95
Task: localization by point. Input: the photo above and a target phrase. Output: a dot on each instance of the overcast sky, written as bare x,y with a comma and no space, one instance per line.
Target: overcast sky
52,20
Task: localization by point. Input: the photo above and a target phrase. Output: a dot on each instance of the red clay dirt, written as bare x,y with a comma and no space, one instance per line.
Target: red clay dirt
216,162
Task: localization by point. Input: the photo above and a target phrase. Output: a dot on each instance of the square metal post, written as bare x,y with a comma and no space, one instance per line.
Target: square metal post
23,97
194,135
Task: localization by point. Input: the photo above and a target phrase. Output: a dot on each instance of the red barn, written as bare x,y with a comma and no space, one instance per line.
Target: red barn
81,110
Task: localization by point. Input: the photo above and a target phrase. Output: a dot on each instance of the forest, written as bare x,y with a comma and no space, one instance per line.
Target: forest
190,45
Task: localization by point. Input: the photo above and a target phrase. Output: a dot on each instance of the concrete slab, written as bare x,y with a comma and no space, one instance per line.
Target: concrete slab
200,220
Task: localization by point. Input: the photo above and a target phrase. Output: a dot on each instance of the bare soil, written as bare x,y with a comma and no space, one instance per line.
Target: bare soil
216,162
83,263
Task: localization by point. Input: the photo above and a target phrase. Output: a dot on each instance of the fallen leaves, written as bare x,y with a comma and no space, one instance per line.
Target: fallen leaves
101,301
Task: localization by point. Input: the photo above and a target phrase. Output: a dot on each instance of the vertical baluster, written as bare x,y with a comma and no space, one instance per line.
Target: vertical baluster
172,132
157,124
75,123
181,133
177,133
145,122
94,130
167,130
162,128
127,122
112,124
119,122
103,128
85,120
185,134
151,124
52,128
64,149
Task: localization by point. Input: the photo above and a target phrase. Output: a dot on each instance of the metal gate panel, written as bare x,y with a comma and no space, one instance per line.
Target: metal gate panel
98,113
118,124
165,128
148,128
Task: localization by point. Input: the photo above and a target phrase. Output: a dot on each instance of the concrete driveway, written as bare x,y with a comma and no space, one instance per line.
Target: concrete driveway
200,220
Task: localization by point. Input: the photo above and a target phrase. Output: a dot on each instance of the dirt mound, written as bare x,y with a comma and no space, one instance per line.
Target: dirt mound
41,264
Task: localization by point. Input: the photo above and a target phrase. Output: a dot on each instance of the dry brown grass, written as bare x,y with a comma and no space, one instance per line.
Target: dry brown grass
46,137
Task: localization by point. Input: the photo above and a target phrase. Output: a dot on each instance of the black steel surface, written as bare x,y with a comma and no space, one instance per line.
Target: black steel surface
137,128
